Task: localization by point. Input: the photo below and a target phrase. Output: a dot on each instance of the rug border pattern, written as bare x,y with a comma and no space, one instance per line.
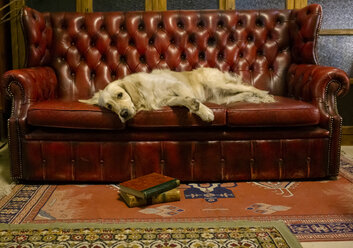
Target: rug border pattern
280,226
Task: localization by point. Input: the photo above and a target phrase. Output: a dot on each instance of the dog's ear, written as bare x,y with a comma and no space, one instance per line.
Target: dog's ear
94,100
132,88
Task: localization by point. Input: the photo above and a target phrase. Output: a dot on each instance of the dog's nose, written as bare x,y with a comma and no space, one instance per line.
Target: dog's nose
124,113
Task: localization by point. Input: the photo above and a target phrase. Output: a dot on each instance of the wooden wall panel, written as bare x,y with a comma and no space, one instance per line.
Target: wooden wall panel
5,56
156,5
336,32
296,4
226,4
5,64
84,6
17,39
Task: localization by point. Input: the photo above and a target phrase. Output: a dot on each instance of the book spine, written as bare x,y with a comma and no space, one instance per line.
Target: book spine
168,196
148,193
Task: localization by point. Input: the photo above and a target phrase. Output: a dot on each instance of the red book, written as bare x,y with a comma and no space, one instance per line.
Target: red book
149,185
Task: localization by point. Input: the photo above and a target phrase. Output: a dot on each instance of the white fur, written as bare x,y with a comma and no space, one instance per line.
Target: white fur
151,91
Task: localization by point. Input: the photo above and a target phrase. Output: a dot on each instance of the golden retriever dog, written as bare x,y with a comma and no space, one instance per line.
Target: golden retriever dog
151,91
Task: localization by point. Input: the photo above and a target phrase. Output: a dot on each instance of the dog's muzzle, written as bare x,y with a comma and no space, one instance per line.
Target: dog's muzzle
124,113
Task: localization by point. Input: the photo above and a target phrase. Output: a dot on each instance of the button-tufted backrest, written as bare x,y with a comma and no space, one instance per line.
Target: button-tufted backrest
88,51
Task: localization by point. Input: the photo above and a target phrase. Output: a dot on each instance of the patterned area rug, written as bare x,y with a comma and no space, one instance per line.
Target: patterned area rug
154,235
312,210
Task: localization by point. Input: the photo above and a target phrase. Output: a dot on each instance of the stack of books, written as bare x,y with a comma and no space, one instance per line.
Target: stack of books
149,189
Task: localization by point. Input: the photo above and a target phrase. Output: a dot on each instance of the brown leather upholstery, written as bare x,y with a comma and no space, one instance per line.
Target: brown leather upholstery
284,112
187,160
72,114
88,51
69,114
70,56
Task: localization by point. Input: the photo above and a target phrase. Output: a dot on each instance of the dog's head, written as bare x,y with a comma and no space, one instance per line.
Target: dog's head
115,98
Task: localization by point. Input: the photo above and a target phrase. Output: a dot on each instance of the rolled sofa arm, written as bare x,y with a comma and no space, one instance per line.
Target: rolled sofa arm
25,86
313,81
319,85
30,84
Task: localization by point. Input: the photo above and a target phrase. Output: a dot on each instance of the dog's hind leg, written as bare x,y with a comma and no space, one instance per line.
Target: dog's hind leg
246,97
238,92
229,89
241,97
194,105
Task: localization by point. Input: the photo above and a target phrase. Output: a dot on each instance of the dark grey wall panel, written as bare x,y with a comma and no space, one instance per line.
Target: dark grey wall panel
118,5
50,5
260,4
336,51
192,4
336,14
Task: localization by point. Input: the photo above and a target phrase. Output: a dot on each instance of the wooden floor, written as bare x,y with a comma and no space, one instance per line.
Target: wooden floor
335,244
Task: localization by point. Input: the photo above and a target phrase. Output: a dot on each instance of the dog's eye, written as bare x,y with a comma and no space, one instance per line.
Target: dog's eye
120,95
109,106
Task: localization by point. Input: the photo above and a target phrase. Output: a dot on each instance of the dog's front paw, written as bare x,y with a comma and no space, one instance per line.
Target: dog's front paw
205,113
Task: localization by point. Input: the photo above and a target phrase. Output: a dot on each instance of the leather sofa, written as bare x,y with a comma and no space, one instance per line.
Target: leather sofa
69,56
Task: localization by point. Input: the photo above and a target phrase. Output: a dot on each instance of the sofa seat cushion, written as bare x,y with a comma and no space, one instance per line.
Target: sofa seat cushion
284,112
167,117
72,114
